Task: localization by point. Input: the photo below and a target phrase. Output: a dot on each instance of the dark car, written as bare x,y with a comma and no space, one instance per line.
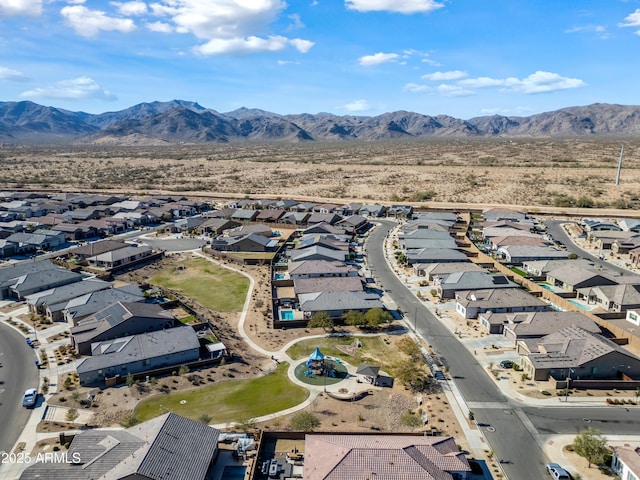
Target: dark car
506,364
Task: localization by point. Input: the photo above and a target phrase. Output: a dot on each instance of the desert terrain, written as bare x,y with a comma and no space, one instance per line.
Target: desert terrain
535,172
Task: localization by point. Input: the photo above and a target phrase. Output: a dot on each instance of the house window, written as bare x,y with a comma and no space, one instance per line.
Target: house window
146,362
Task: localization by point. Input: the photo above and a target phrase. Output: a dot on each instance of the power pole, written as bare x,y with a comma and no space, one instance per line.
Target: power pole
619,166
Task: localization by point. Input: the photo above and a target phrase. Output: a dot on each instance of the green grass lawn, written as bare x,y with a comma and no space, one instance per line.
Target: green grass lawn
212,286
374,350
520,272
228,401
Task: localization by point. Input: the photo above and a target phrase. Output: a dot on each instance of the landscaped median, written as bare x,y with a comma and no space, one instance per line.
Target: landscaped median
228,401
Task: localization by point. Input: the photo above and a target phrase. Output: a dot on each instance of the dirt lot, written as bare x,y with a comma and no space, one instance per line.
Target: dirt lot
491,171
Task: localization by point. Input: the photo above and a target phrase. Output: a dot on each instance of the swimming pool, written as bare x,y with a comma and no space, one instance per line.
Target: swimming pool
279,276
232,472
579,305
286,314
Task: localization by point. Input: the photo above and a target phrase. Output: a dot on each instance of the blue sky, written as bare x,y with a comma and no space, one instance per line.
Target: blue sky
463,58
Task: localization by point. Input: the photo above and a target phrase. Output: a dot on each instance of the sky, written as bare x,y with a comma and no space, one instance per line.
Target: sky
464,58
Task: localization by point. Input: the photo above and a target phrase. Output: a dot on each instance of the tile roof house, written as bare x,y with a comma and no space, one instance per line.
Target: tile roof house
252,242
432,270
630,224
119,320
522,253
166,447
612,298
120,257
330,218
372,210
448,286
316,252
337,304
435,255
471,303
217,225
572,277
82,306
320,268
10,274
539,268
327,284
576,352
92,249
519,326
385,457
138,353
626,462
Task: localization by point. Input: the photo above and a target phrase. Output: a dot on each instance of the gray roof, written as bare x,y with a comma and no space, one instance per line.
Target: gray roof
317,251
44,279
90,303
327,301
539,324
435,255
624,295
572,347
575,275
440,233
319,267
446,216
547,265
247,229
475,281
447,268
67,292
326,284
244,214
10,272
431,243
96,248
498,298
120,351
115,314
168,447
121,254
525,252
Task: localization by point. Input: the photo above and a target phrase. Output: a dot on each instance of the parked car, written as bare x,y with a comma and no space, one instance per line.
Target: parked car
30,397
506,364
557,472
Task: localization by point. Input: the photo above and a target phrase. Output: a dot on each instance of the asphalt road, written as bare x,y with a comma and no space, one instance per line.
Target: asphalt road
610,420
504,423
18,372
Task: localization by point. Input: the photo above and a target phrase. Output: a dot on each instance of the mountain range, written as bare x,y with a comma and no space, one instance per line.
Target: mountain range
180,121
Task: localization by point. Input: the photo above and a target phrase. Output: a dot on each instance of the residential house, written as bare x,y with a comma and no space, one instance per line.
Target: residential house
432,270
612,298
400,211
187,225
448,286
633,316
435,255
121,257
11,274
284,204
83,306
165,447
323,227
327,284
320,268
270,216
92,249
244,230
332,242
521,326
329,218
596,224
243,215
424,238
7,249
38,240
540,268
389,457
51,302
504,215
217,225
119,320
38,281
604,240
252,242
295,218
517,240
336,304
355,224
622,246
572,277
303,207
629,224
325,208
316,252
521,254
448,217
576,353
471,303
625,462
138,353
373,211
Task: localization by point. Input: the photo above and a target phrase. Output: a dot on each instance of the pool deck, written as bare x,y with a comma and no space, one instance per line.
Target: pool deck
226,458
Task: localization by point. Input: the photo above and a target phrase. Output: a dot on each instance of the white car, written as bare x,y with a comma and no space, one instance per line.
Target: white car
30,397
557,472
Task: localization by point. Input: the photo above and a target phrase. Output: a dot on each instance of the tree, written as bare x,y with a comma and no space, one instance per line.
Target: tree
204,418
411,375
354,318
410,347
376,317
304,421
410,419
591,445
130,380
71,415
321,320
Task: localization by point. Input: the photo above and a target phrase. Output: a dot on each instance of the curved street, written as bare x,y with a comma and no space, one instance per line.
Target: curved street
18,372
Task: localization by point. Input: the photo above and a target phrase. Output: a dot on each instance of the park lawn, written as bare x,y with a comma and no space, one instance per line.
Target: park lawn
374,350
210,285
228,401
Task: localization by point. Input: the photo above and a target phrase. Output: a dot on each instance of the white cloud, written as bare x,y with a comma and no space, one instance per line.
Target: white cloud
13,8
445,76
296,22
416,88
377,59
227,26
398,6
251,44
357,106
76,89
454,90
538,82
599,30
506,111
131,8
160,27
89,23
12,75
632,20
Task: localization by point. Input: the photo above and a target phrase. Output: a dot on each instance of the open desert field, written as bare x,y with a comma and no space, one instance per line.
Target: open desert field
560,173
